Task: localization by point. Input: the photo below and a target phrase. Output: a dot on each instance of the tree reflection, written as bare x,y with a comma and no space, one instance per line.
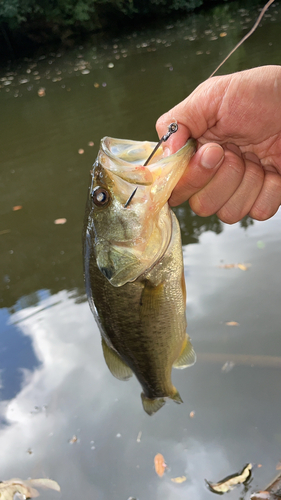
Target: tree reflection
192,226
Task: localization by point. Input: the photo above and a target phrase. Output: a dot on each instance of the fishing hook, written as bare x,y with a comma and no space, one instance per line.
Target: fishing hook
172,128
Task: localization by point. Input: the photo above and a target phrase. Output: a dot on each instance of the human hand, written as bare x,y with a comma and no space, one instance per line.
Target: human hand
236,120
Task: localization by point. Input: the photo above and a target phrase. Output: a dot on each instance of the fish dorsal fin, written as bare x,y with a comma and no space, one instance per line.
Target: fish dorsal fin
187,356
151,406
116,365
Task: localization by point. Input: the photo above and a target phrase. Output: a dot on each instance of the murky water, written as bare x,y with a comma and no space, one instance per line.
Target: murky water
62,413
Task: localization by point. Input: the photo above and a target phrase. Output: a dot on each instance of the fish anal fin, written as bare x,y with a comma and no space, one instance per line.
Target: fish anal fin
116,365
187,356
151,406
176,397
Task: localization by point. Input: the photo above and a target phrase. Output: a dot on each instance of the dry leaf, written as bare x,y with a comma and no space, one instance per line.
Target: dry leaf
8,489
242,267
229,482
74,439
159,464
60,221
178,480
232,323
17,207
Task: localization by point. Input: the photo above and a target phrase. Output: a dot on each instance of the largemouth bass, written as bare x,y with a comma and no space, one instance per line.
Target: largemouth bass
133,265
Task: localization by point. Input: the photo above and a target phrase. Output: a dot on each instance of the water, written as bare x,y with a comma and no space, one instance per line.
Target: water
62,414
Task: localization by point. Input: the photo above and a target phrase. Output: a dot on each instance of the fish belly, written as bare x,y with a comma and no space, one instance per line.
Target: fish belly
144,321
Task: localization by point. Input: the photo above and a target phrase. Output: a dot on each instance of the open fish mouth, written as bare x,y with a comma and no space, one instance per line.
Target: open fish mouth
130,218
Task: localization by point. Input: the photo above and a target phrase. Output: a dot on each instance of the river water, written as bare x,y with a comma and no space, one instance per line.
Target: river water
62,414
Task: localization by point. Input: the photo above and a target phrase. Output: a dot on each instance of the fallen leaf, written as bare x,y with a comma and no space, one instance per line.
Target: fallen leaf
232,323
60,221
178,480
80,151
159,464
73,440
227,367
9,489
229,482
223,34
41,92
242,267
17,207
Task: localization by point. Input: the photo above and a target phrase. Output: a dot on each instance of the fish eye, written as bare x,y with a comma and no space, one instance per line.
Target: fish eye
100,196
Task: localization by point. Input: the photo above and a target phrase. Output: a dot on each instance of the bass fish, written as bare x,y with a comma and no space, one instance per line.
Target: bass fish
133,265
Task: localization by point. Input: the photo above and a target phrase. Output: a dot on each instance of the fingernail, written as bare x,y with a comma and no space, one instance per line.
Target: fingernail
212,156
166,151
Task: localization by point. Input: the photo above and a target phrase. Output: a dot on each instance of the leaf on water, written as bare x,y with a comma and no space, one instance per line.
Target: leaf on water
223,34
242,267
17,207
229,482
74,439
60,221
159,464
16,487
178,480
227,367
232,323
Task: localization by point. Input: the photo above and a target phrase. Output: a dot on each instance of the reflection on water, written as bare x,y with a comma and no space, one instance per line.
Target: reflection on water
69,392
54,382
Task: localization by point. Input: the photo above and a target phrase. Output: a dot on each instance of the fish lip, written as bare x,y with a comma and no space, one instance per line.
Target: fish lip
105,149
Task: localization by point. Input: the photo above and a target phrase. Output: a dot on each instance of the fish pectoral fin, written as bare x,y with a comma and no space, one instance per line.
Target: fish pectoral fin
151,406
187,356
116,365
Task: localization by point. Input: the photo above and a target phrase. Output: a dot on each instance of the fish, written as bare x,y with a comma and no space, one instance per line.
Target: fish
229,482
133,265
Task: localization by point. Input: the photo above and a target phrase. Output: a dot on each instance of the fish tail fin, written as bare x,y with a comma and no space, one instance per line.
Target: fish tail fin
151,406
116,365
187,355
176,396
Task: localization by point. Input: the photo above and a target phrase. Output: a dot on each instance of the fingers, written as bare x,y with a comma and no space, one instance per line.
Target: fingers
269,199
201,169
216,195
